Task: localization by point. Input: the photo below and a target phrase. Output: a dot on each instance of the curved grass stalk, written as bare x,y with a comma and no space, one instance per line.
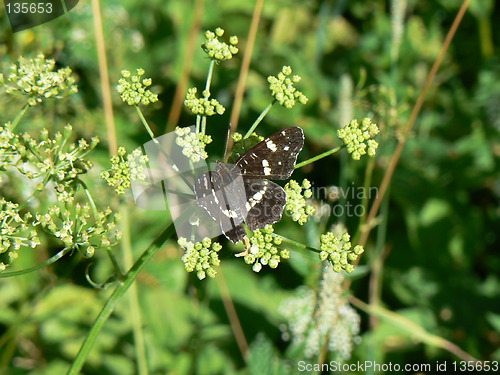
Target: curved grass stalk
114,299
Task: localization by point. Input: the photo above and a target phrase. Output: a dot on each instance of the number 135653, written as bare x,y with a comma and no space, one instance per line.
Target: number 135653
30,8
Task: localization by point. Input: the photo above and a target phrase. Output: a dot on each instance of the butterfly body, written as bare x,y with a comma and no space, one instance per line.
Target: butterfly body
242,192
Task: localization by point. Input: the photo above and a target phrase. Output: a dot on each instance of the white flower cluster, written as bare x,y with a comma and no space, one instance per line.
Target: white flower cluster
193,144
37,79
329,320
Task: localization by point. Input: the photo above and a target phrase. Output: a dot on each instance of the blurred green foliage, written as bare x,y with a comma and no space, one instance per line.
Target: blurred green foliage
357,59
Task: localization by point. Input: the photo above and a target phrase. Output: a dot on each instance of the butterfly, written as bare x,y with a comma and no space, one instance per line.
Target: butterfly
242,192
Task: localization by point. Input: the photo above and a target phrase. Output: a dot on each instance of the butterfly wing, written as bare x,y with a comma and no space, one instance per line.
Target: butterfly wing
265,202
274,157
222,195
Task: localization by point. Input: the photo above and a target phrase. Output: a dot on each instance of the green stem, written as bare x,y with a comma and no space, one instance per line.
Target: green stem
19,116
49,261
89,197
145,123
116,265
35,193
203,124
259,119
209,76
112,302
297,245
202,120
317,157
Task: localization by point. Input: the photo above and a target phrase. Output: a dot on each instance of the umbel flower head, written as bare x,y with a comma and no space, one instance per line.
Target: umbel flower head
296,203
202,106
217,50
264,250
201,257
338,251
125,169
37,79
75,226
14,232
358,138
283,88
134,89
193,144
55,157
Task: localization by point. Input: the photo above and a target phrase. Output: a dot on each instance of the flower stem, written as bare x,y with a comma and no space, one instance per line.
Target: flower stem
35,193
203,119
145,123
19,116
259,119
89,197
209,76
297,245
318,157
49,261
111,303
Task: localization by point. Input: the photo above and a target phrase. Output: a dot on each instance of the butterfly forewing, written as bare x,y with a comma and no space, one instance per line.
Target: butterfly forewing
274,157
222,194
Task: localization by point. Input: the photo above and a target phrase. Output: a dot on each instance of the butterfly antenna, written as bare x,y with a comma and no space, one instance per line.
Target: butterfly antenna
226,148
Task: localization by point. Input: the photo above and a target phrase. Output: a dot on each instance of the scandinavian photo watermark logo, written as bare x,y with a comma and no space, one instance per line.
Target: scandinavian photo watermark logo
26,14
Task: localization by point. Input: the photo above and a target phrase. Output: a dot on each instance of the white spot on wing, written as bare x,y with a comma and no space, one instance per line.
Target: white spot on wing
257,196
267,171
265,163
271,145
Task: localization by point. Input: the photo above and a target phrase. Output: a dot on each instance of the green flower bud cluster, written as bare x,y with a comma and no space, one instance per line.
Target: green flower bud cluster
241,145
357,138
55,159
193,144
37,79
14,232
134,89
296,204
263,249
217,50
72,224
204,106
125,169
338,251
201,257
283,90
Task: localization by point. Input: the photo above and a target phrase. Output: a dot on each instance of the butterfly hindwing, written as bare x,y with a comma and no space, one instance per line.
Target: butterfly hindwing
265,201
274,157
